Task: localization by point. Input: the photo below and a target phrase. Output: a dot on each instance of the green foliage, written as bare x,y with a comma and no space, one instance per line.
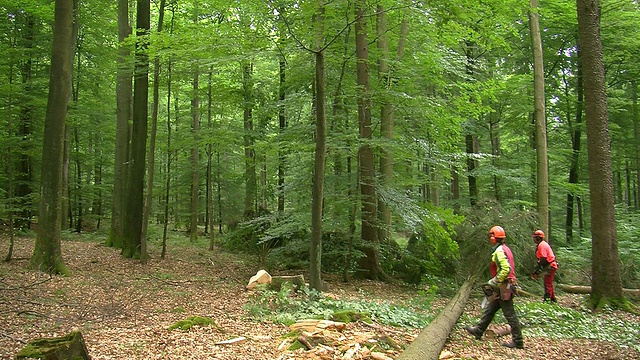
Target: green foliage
552,321
287,307
192,321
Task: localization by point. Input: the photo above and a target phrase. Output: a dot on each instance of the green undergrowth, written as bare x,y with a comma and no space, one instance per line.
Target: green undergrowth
287,307
545,320
553,321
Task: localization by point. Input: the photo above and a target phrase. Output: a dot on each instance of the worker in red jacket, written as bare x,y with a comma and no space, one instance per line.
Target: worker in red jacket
547,265
500,290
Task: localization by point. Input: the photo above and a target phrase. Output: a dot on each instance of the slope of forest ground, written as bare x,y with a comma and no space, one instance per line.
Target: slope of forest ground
124,310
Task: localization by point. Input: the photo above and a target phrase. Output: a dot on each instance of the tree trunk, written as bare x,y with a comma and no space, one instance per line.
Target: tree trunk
282,125
542,172
386,122
315,262
575,155
47,253
195,167
123,113
152,143
606,283
431,340
135,181
209,195
581,289
10,199
470,139
249,151
370,263
636,132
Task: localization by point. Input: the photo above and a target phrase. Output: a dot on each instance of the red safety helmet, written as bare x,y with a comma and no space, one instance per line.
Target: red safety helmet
538,234
497,232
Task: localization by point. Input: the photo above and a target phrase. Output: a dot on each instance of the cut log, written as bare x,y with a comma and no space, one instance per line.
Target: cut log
431,340
494,331
581,289
67,347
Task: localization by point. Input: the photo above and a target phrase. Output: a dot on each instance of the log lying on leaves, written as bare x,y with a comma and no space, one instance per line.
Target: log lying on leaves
581,289
431,340
494,331
71,346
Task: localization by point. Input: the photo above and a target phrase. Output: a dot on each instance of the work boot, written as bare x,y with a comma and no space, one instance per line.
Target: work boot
512,344
475,331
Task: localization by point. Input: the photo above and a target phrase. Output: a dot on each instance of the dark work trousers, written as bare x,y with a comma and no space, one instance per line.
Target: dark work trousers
509,313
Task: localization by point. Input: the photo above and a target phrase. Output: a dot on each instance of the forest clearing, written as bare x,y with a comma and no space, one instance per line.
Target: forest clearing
124,310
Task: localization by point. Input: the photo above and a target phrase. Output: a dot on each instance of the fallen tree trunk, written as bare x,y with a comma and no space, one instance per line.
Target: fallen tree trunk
431,340
582,289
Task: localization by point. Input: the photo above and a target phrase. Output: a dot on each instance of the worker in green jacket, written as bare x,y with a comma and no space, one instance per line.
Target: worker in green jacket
500,290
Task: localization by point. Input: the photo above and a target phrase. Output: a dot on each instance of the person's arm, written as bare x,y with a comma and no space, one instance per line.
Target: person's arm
500,258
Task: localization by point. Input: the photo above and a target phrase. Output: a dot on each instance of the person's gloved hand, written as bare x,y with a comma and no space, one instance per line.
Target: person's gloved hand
493,282
534,276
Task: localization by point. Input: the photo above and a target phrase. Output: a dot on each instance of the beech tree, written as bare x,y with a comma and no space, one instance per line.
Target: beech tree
606,284
47,253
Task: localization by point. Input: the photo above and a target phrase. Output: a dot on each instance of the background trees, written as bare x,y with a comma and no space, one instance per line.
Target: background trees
441,132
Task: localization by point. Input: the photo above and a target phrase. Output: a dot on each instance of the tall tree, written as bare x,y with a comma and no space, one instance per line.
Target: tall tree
369,231
317,196
195,129
576,135
249,151
47,252
137,165
539,114
123,113
606,284
152,139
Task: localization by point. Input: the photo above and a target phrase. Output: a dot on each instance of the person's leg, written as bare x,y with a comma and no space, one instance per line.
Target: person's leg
512,318
487,316
548,285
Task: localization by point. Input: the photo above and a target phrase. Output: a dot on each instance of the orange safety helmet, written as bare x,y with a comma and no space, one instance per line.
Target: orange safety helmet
539,234
497,232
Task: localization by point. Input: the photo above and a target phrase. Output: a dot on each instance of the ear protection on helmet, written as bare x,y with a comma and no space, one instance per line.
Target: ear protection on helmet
497,232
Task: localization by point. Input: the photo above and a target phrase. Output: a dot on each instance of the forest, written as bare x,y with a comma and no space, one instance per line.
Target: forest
352,141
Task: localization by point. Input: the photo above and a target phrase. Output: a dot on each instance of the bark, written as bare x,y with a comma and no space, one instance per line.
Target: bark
10,165
24,173
195,167
386,122
315,262
431,340
167,191
636,133
137,167
249,151
123,113
370,263
605,264
209,205
582,289
575,155
152,142
47,253
282,124
542,169
470,140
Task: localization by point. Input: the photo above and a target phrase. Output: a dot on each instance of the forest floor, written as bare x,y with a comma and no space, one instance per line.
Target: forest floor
124,310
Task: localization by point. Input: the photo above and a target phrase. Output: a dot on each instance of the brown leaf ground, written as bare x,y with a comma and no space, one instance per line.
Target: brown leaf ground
124,310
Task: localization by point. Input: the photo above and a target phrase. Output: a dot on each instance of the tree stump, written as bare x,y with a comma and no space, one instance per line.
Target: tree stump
296,280
70,347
